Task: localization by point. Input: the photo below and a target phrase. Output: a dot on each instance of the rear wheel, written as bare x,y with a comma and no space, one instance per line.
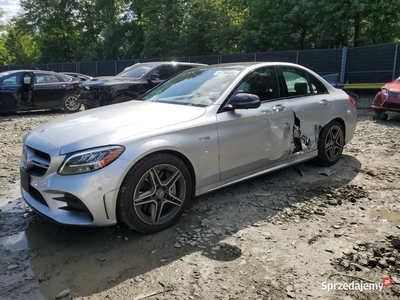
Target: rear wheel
154,193
70,103
331,143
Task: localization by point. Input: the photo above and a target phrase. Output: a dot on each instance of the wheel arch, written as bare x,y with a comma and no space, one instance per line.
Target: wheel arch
187,163
342,123
176,153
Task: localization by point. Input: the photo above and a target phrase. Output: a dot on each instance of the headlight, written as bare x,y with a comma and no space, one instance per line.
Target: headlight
90,160
385,92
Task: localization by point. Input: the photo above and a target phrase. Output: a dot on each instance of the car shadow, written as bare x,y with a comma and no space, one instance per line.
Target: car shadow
91,260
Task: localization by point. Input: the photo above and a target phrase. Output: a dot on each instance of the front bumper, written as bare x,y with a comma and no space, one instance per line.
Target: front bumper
84,199
386,103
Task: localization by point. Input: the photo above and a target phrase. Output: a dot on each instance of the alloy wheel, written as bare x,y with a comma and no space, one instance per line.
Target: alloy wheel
159,194
334,143
71,103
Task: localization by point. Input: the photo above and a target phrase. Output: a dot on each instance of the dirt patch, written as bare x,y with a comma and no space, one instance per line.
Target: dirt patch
287,234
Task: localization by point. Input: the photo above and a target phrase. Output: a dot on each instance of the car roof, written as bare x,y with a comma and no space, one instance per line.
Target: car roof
254,63
157,63
30,71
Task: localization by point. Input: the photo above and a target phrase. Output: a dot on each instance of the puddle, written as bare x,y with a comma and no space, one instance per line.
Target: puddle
391,216
15,242
11,200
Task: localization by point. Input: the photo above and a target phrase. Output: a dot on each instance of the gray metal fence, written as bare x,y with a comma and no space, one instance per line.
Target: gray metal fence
368,64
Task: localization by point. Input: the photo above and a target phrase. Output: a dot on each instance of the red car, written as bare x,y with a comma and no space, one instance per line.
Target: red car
388,99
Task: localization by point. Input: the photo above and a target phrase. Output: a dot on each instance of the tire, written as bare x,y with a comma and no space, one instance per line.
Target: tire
154,193
379,115
70,103
121,99
331,143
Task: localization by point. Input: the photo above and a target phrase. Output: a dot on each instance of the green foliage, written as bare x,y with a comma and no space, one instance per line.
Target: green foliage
84,30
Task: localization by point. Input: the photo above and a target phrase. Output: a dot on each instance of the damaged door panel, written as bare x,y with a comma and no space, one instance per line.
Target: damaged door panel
312,107
308,119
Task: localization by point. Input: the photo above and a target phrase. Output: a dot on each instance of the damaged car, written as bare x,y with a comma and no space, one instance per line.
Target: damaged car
130,84
24,90
387,99
140,162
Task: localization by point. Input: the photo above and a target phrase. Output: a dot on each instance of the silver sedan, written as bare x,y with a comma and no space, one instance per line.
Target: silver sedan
141,161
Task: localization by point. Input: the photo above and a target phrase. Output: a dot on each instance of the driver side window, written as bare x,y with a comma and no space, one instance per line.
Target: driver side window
262,82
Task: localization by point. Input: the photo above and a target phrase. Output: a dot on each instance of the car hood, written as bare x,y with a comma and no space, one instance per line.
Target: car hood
393,86
106,80
112,124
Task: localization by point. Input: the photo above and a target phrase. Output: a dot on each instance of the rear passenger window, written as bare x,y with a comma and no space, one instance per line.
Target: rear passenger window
296,81
46,78
301,83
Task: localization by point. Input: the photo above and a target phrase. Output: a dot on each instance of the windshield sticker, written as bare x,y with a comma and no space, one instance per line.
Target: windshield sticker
230,73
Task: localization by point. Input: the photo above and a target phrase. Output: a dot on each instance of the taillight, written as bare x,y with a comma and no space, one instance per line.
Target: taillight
352,101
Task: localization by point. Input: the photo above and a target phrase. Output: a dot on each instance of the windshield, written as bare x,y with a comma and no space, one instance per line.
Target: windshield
136,71
4,74
197,87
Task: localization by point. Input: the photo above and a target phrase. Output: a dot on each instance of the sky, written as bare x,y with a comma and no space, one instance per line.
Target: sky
10,7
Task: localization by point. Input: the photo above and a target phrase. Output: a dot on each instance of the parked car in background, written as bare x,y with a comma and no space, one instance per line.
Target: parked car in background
387,99
140,162
81,76
23,90
130,83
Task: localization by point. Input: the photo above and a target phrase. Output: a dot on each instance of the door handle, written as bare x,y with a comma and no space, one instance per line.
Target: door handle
278,108
324,102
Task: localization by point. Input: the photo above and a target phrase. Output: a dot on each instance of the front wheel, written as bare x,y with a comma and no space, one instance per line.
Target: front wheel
331,143
154,193
70,103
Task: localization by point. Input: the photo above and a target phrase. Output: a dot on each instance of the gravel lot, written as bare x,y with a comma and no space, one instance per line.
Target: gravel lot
289,234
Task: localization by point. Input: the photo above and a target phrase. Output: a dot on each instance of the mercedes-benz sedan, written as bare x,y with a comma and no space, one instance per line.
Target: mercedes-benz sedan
141,161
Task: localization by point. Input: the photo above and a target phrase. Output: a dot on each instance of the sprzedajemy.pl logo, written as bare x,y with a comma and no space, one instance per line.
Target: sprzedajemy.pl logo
357,285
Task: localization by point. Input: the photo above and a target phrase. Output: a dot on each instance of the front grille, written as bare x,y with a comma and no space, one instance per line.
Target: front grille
36,162
42,154
35,194
391,105
394,95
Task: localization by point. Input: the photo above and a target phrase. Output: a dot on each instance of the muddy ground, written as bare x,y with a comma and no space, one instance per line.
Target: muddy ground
289,234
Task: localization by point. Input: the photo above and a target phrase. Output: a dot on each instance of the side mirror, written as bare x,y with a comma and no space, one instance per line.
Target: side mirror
245,101
153,76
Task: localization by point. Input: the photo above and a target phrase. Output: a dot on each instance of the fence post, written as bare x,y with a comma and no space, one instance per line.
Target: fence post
116,69
255,56
343,64
297,57
395,60
97,70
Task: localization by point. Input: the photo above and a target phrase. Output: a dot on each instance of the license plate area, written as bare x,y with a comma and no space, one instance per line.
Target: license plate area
25,179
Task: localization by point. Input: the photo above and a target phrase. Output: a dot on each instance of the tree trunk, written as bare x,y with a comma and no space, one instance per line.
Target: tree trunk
357,19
